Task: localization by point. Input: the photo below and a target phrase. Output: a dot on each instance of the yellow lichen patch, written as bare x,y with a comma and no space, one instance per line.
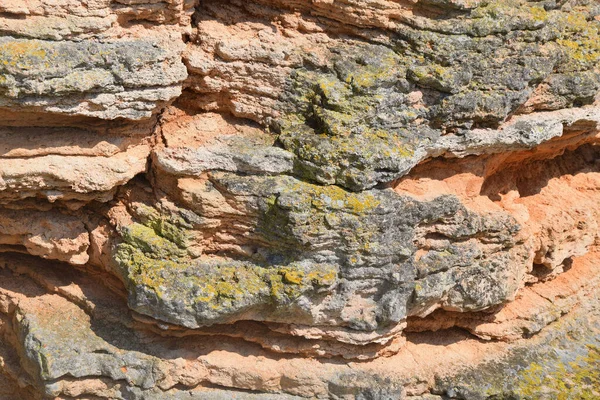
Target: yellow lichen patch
294,277
146,239
538,13
502,16
23,54
334,123
81,81
370,75
579,379
326,277
580,39
220,288
168,226
366,202
505,9
334,197
329,85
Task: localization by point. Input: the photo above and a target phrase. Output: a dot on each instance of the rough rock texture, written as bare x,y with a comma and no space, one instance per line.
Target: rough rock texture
295,199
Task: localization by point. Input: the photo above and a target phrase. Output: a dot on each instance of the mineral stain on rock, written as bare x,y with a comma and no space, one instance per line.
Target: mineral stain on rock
210,199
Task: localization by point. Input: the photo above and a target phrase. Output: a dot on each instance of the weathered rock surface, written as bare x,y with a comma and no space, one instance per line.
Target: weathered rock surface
76,339
290,199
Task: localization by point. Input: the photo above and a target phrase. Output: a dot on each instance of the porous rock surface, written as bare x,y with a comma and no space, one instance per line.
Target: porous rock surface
373,199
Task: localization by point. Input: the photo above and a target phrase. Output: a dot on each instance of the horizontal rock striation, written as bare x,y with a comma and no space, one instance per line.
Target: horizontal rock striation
299,199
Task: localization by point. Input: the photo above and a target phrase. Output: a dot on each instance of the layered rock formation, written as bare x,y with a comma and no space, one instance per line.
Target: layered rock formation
266,199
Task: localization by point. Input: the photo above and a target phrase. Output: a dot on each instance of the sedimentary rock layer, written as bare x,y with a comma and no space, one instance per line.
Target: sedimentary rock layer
279,199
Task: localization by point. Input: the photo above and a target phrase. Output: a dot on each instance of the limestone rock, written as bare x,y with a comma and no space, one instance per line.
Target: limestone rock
299,199
47,234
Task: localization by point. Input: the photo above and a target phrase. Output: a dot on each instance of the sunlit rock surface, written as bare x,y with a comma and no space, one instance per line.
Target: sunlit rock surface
299,199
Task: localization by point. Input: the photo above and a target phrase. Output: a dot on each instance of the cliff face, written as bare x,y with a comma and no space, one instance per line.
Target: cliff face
330,198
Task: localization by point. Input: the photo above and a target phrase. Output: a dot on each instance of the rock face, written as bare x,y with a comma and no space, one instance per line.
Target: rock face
297,199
